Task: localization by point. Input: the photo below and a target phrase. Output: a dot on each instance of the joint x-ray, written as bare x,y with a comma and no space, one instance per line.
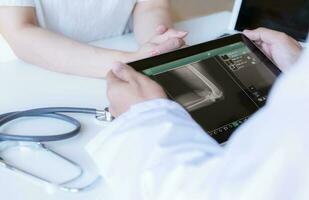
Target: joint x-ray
191,86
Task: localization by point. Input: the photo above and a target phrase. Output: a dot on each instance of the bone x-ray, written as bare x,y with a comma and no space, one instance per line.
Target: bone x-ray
191,86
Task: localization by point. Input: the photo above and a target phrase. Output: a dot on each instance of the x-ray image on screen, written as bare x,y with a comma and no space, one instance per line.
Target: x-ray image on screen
191,86
220,87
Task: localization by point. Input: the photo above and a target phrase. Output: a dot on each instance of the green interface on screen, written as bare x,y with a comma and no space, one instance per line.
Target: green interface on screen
238,48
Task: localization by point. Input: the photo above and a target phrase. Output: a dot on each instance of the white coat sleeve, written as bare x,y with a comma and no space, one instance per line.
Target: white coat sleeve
137,152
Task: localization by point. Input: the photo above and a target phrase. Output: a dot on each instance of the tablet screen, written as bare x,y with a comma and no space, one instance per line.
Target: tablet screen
220,87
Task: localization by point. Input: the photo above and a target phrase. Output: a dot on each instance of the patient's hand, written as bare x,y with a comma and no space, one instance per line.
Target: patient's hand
283,49
126,87
165,40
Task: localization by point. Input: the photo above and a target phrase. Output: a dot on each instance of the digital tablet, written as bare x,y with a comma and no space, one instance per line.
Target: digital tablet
221,83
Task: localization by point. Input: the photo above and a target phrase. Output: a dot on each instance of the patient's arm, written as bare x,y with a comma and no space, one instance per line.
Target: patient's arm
53,51
153,24
148,16
56,52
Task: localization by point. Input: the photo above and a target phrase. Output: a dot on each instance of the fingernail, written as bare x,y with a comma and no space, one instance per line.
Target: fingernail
117,67
160,29
182,33
155,52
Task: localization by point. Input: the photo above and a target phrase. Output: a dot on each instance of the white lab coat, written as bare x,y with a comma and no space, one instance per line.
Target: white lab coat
156,151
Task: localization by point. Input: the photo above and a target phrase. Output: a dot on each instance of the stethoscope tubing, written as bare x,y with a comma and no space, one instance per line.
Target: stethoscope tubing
53,112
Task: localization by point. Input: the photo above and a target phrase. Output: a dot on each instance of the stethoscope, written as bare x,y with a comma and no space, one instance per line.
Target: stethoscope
9,141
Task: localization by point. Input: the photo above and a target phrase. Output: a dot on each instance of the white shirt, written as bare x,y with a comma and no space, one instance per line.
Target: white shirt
156,151
83,20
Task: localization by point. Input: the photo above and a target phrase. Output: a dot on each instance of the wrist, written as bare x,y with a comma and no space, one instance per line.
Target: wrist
133,56
127,57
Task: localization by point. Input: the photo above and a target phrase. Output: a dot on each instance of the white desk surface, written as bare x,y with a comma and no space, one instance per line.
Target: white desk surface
23,86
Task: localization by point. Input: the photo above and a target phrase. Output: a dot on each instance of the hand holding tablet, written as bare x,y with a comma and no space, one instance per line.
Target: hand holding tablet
127,87
281,48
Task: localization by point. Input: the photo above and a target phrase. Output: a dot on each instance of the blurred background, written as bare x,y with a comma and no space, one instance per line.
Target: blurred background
187,9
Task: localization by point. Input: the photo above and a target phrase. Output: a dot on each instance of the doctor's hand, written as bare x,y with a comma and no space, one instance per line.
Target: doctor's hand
281,48
165,40
126,87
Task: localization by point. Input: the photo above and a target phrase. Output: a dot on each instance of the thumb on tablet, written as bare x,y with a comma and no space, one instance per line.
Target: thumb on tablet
124,72
264,35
